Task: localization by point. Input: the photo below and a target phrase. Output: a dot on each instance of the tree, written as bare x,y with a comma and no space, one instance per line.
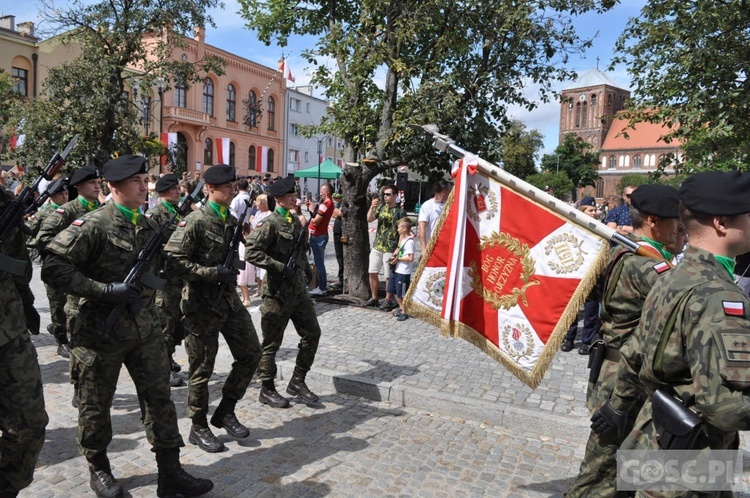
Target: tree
8,96
520,149
574,157
456,64
689,62
120,41
556,184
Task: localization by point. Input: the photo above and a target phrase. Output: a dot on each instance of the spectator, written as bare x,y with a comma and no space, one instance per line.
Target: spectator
386,241
742,272
257,220
403,258
237,207
591,322
247,274
618,216
298,211
430,211
338,232
319,237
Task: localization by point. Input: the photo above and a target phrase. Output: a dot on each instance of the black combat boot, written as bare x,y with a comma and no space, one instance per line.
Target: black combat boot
102,481
269,396
174,482
297,387
175,380
201,435
8,494
225,418
175,366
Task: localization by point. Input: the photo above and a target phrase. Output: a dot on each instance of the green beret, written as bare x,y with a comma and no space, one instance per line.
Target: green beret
88,172
720,193
58,186
658,200
220,174
123,167
166,182
281,187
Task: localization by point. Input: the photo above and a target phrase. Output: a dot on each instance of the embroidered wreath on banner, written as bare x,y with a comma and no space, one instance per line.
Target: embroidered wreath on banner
569,251
435,287
490,195
513,344
519,250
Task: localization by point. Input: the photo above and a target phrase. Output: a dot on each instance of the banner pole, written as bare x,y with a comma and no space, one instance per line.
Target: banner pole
444,143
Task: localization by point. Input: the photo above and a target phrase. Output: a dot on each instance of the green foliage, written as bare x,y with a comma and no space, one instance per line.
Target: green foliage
557,184
575,158
520,149
87,96
9,97
634,179
689,61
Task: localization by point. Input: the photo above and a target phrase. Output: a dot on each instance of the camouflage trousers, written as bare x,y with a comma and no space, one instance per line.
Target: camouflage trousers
274,318
58,317
168,304
94,370
22,414
202,344
597,475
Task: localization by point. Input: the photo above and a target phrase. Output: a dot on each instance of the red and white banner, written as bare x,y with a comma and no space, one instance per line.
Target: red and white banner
505,273
170,142
261,158
285,71
222,150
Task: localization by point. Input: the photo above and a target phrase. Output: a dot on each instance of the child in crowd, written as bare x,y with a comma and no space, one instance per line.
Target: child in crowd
401,262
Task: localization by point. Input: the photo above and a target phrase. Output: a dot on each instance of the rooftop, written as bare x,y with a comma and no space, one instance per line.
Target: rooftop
643,136
592,77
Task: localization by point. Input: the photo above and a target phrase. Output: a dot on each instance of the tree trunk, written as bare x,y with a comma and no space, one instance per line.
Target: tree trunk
355,204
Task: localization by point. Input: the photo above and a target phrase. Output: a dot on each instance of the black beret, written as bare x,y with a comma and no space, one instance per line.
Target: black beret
282,187
720,193
658,200
588,201
123,167
59,185
220,174
88,172
166,182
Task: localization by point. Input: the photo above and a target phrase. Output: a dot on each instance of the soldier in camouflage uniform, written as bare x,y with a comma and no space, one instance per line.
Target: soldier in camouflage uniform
63,308
627,281
197,250
285,296
705,350
58,195
168,300
22,414
91,258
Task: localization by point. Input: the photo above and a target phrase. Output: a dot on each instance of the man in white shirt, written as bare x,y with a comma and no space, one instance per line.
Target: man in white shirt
430,211
237,207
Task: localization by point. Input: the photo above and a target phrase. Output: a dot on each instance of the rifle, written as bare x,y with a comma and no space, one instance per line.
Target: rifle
231,258
138,274
25,204
292,263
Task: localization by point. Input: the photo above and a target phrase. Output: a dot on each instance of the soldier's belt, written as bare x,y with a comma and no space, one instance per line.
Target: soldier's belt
612,354
12,266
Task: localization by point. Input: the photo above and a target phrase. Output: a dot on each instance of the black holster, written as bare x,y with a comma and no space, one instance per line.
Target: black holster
596,359
677,426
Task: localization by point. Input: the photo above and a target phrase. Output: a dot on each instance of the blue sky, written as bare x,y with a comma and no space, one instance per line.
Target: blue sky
231,35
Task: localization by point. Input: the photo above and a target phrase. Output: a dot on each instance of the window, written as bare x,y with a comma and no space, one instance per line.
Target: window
578,115
330,141
22,83
307,156
294,156
208,152
293,130
180,92
231,103
270,158
637,162
252,101
612,162
271,116
307,108
295,105
231,153
251,157
584,115
609,100
208,96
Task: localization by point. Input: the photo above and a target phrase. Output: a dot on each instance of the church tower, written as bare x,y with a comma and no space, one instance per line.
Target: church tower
587,107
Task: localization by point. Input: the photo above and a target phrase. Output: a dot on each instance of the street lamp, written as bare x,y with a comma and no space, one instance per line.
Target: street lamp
160,90
320,154
146,103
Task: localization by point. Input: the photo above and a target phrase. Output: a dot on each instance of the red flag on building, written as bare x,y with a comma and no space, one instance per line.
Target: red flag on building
170,142
285,71
505,273
222,150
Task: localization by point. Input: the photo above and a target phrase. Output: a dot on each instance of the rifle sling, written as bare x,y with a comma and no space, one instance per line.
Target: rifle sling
12,266
153,282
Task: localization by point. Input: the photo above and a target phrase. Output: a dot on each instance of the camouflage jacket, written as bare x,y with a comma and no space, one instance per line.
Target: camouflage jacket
198,245
160,213
57,221
706,357
14,291
628,280
35,221
270,246
99,248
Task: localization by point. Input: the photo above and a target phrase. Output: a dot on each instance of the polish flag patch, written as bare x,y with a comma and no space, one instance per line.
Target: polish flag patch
182,224
734,308
78,223
662,267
